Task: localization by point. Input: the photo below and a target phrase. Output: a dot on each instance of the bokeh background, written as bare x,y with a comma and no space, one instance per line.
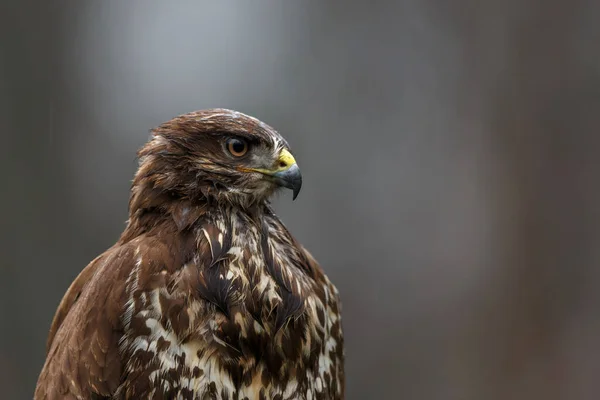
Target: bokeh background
449,149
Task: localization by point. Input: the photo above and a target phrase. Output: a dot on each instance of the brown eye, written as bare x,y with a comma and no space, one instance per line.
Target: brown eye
237,147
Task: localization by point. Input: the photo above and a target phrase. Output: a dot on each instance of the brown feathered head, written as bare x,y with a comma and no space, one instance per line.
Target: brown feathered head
216,155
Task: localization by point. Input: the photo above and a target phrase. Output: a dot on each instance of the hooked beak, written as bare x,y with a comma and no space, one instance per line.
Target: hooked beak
290,178
286,172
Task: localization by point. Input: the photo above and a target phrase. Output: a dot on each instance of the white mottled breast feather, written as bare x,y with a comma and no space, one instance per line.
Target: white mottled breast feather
198,356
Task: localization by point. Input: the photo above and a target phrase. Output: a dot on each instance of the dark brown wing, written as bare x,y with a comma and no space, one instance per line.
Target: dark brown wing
83,360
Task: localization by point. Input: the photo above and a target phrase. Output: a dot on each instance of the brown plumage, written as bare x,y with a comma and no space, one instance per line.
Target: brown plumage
206,295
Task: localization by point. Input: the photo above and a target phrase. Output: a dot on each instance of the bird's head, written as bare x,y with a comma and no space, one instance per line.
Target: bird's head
219,155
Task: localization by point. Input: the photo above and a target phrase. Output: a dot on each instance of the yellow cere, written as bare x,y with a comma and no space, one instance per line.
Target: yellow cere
285,161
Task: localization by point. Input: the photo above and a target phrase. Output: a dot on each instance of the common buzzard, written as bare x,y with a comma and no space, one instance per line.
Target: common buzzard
206,295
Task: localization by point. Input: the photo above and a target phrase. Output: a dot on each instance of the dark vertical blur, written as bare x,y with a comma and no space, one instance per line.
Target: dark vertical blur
449,151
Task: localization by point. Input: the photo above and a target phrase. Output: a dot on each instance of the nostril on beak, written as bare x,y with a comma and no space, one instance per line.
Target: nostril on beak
282,164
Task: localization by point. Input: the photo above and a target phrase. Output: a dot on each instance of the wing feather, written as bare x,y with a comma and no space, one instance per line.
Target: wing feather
83,360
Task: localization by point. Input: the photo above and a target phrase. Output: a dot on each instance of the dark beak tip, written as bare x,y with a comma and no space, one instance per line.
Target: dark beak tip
295,193
296,186
291,179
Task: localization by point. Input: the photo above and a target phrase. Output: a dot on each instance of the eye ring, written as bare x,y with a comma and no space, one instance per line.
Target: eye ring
237,147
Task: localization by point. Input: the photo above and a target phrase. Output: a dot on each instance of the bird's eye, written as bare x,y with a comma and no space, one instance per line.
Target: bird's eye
237,147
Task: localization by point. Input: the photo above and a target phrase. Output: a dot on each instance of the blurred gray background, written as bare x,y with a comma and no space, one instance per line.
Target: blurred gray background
449,149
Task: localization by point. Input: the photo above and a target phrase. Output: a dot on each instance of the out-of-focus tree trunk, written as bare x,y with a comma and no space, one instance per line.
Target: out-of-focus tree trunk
30,95
543,143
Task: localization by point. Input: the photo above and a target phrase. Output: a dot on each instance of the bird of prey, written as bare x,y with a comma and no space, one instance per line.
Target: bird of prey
206,295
